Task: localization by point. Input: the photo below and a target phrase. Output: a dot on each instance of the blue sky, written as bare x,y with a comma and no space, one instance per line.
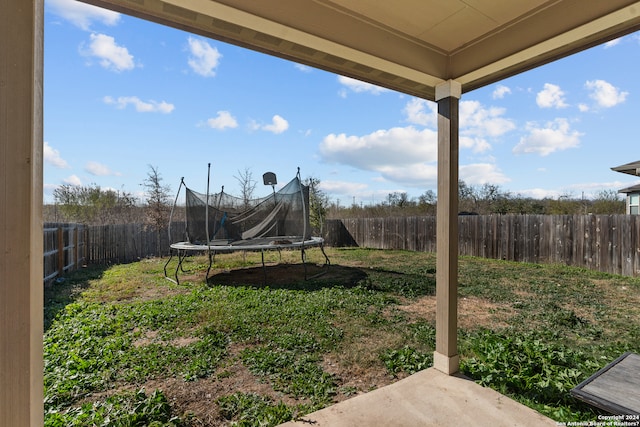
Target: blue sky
121,94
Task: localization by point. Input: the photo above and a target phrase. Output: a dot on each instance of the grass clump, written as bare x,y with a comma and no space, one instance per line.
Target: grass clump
250,409
123,409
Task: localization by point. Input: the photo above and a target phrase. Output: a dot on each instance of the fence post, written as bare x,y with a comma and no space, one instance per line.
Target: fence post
60,251
76,252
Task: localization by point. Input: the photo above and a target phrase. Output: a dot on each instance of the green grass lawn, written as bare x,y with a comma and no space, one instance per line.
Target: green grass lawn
124,346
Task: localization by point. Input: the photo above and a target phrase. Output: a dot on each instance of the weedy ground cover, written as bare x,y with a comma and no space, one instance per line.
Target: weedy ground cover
253,346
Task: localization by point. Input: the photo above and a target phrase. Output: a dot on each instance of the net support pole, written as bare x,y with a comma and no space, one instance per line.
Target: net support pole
206,222
173,208
304,223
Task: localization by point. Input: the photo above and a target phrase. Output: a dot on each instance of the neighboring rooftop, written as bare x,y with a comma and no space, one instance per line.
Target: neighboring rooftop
632,168
632,189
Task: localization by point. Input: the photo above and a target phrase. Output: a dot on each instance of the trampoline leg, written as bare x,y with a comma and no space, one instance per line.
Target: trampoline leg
167,263
326,258
165,267
303,255
264,268
211,255
179,266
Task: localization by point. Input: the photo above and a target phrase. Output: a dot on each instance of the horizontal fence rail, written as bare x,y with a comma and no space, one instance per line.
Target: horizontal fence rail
64,249
607,243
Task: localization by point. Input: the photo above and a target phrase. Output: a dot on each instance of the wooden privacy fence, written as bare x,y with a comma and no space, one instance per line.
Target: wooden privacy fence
122,243
64,249
69,246
608,243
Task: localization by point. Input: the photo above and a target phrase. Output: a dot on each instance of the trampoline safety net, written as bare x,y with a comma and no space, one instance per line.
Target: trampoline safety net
233,220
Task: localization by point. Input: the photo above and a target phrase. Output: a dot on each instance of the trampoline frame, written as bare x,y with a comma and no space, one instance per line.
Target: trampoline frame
182,249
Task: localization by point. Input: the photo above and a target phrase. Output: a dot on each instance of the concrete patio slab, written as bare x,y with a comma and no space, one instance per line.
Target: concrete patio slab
427,398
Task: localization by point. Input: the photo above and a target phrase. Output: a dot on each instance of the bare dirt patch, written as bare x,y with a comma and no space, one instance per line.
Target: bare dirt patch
472,312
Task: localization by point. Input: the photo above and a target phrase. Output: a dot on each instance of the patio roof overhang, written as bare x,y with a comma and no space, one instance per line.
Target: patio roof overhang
433,49
409,46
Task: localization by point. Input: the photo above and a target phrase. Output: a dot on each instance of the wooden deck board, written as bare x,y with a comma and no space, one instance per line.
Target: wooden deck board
615,388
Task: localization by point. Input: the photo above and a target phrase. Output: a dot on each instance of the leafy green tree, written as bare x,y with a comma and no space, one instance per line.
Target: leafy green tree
399,199
318,205
427,202
467,197
94,206
608,202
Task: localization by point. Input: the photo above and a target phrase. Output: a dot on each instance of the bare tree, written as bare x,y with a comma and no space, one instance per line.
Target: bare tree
158,203
247,185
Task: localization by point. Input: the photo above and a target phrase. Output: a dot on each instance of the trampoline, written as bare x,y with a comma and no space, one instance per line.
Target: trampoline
223,223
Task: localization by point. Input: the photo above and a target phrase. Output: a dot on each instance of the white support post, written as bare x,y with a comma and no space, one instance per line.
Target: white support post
21,241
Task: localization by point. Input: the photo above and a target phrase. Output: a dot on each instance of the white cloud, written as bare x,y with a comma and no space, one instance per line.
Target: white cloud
605,94
203,58
140,106
111,56
540,193
500,92
422,112
551,97
52,157
589,190
398,154
396,147
482,173
303,68
612,43
81,14
477,145
554,136
343,187
417,174
72,180
583,108
358,86
223,120
278,125
98,169
476,121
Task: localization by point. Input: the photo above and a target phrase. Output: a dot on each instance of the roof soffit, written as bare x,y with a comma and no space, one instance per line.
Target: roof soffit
410,45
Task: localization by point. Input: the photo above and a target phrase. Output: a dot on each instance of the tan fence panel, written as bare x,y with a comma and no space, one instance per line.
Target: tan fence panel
608,243
65,249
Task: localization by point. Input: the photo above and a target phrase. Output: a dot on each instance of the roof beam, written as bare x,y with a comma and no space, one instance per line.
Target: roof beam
608,27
